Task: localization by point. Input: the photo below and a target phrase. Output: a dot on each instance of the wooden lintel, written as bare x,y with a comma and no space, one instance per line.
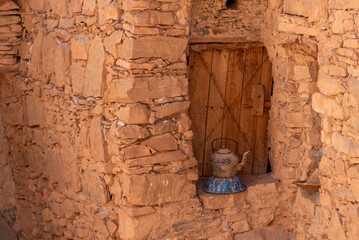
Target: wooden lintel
199,47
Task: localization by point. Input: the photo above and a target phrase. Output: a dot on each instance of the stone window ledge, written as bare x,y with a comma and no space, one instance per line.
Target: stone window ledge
257,185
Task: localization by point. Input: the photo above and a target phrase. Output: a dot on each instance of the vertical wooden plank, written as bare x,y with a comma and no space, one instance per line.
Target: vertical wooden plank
199,75
258,99
248,122
215,104
261,145
233,95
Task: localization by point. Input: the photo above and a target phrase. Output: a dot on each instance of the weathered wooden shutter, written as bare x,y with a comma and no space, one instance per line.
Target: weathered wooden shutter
230,93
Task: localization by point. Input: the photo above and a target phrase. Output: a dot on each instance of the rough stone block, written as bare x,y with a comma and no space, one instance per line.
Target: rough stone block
59,165
318,10
301,72
8,5
76,6
133,65
275,4
343,4
101,5
132,132
162,127
171,109
8,60
95,70
313,138
62,64
222,236
269,233
59,7
304,204
134,227
351,43
356,21
35,111
111,42
8,20
141,89
197,223
136,151
77,77
67,23
135,212
97,141
135,113
112,12
329,86
337,71
141,30
292,119
159,158
48,56
327,106
14,114
212,201
296,7
88,7
79,46
337,26
294,28
150,18
241,226
37,5
354,187
335,228
353,172
345,145
138,5
169,48
164,142
154,189
354,86
95,188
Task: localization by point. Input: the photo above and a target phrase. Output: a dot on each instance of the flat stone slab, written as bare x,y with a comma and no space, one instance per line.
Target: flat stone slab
255,183
269,233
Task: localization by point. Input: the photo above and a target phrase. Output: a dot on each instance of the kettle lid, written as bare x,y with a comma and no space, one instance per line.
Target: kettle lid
224,150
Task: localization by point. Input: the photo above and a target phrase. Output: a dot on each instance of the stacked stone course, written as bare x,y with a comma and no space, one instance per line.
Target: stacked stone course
10,33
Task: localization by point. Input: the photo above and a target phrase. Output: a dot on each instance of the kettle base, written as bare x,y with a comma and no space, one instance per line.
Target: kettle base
224,185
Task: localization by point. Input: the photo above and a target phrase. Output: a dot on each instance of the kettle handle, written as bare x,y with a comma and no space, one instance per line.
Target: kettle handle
216,139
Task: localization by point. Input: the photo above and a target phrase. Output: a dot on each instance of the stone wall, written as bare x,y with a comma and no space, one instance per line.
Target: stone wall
213,21
321,36
8,199
313,47
291,42
337,102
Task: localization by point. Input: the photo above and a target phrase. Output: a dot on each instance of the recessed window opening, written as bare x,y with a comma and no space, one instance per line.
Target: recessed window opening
230,92
231,4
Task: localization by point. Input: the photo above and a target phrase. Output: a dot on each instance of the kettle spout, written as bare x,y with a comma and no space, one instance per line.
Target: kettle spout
246,157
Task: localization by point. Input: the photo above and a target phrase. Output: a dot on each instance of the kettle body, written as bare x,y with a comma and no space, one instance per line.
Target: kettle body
224,162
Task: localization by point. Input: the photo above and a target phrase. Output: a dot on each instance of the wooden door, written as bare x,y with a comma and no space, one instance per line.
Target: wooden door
230,93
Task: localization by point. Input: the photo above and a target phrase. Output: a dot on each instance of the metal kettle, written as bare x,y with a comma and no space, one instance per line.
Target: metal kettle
225,163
